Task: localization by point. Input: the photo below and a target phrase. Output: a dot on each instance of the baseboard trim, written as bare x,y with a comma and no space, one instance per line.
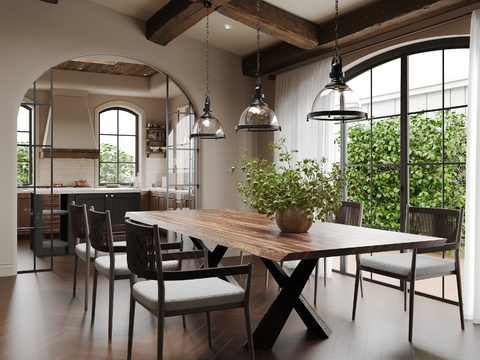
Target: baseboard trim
7,270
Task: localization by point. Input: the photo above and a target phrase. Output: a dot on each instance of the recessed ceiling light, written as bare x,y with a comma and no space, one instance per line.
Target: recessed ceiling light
227,27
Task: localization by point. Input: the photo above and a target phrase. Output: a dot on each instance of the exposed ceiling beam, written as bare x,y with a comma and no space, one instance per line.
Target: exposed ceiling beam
175,18
50,1
273,21
362,24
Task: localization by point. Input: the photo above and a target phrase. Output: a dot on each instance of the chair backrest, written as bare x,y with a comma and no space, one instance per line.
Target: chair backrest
101,235
142,242
443,223
350,213
79,221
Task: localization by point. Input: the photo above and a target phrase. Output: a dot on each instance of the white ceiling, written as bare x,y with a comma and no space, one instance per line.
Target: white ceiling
240,39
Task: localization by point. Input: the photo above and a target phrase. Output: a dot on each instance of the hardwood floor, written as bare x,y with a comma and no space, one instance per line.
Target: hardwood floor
39,319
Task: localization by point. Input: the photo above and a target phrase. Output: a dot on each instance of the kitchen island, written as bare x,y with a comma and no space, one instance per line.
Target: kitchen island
43,217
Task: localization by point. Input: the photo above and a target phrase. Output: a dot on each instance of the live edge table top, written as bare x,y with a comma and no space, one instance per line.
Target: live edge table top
257,235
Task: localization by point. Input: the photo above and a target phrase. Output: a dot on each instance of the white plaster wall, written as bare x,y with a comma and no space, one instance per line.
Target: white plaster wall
36,36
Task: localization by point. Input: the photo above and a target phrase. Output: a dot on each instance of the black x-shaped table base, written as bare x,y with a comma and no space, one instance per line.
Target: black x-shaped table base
290,297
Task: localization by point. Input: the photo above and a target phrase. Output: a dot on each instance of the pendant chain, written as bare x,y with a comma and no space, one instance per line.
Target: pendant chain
207,93
336,48
258,42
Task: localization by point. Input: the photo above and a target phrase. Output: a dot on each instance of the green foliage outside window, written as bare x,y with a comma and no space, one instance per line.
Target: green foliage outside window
108,165
23,163
425,180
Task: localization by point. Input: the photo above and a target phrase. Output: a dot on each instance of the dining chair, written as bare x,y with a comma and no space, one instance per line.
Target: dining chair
114,266
171,293
83,250
350,213
443,223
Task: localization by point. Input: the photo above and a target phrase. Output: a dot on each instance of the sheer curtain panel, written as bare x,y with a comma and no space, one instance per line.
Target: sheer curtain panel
472,211
294,94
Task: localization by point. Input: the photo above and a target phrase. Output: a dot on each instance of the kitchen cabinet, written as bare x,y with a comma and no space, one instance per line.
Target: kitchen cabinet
118,203
54,220
23,215
145,200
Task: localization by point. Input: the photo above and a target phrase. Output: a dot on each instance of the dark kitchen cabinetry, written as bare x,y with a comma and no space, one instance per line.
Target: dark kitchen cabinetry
117,203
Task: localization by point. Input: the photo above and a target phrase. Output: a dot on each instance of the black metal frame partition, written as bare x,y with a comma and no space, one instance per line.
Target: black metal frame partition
402,53
36,209
192,151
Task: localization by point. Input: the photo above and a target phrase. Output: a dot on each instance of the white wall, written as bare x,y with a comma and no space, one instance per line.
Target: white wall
36,36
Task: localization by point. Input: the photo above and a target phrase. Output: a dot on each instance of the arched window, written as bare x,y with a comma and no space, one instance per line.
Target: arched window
412,148
24,145
118,143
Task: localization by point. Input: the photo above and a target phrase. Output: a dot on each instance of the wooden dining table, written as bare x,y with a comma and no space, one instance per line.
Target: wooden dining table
255,234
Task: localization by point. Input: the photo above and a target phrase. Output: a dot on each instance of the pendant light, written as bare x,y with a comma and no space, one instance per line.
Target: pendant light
207,126
336,101
258,116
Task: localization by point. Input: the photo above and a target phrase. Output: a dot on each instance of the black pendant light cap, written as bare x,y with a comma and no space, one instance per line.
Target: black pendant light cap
207,110
258,94
336,75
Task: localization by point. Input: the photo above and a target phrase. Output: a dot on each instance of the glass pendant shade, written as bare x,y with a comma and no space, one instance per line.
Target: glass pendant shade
336,101
258,116
207,126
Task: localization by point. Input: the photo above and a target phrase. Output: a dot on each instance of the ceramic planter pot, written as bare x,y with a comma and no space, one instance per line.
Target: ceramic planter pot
292,220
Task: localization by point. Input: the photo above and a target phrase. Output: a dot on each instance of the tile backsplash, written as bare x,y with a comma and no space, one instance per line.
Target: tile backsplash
67,171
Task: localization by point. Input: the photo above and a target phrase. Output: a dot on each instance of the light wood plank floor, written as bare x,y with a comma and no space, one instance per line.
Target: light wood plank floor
39,319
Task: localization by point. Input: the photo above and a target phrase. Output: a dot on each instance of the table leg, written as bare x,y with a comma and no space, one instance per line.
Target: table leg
290,296
214,256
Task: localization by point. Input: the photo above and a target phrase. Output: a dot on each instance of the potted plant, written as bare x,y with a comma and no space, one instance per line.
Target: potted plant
295,196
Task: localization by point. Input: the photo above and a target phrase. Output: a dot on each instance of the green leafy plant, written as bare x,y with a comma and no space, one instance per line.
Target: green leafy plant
108,167
23,163
305,186
381,193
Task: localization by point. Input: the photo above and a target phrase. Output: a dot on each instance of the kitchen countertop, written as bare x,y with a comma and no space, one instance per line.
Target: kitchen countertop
99,190
80,190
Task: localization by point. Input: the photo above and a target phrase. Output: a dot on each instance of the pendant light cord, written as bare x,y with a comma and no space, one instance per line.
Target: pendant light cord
207,92
336,48
258,42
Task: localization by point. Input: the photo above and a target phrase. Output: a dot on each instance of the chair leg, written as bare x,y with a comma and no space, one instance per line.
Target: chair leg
241,257
75,276
160,331
184,322
324,271
405,291
111,284
87,279
266,277
131,318
355,293
316,285
209,326
94,294
412,294
248,322
361,283
459,288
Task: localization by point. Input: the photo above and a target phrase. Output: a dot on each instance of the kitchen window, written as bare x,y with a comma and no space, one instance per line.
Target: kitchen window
118,146
24,145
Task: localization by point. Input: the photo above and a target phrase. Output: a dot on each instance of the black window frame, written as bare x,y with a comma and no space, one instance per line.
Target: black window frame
118,109
29,145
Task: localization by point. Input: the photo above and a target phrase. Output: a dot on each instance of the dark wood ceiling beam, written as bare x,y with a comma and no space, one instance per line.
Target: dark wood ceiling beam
362,24
50,1
274,22
175,18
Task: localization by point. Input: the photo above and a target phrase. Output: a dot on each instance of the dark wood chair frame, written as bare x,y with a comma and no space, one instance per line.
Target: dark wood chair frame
205,272
451,244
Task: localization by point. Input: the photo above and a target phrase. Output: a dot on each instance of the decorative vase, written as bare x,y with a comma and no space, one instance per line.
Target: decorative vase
292,220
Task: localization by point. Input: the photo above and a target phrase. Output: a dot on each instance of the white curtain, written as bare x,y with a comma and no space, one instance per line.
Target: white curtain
472,206
294,94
